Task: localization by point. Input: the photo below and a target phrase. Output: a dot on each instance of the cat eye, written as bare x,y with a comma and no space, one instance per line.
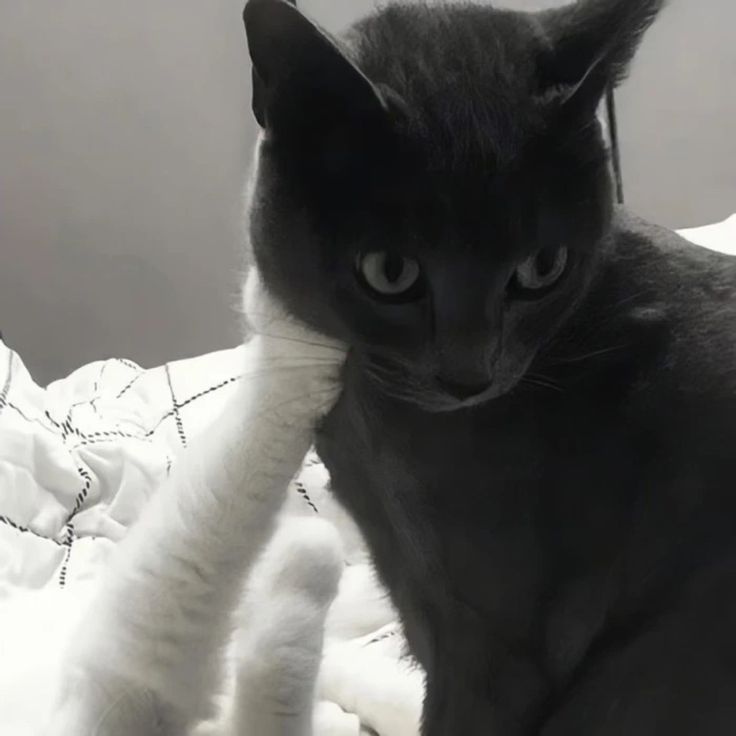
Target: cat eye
390,275
541,270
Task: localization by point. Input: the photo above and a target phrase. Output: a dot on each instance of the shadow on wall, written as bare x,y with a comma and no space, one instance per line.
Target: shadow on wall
128,129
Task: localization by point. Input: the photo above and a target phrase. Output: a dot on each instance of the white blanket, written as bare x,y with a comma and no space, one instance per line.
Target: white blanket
78,461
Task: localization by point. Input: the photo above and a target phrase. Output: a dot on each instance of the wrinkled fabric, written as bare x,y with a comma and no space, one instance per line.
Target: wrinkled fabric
78,462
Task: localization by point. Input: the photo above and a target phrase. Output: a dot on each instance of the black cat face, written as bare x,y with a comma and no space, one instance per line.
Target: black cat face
434,189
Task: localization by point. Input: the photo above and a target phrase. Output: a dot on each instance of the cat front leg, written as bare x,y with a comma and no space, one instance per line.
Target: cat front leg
278,648
155,633
275,655
92,705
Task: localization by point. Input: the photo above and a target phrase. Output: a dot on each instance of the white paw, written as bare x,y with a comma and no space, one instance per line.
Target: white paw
369,677
305,557
331,720
98,705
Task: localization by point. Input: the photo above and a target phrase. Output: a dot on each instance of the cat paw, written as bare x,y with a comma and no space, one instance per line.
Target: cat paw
100,705
305,558
370,677
331,720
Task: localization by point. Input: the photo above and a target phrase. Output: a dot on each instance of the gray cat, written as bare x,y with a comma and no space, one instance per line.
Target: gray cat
537,424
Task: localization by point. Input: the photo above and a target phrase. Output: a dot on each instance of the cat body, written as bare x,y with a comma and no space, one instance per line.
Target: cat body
536,430
584,526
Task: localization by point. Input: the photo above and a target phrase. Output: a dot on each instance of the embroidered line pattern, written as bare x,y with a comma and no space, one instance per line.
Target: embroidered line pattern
68,541
25,530
302,491
177,413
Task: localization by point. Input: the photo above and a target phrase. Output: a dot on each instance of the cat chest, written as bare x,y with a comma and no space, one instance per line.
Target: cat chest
474,513
479,475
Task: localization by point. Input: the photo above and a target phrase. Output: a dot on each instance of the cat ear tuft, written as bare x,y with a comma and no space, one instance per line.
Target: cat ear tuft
301,78
592,44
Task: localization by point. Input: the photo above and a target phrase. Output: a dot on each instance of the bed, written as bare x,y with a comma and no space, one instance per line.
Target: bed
80,458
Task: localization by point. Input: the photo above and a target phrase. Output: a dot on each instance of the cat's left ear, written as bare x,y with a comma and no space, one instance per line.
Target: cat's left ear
592,44
302,80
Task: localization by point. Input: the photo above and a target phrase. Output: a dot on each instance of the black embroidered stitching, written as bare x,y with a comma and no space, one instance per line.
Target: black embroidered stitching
129,364
174,411
24,416
52,420
82,495
90,442
177,415
96,389
102,434
68,541
128,386
302,491
6,387
26,530
66,427
383,637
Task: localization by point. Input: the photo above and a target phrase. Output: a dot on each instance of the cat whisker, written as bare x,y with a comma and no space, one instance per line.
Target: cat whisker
299,341
332,391
542,382
278,369
628,300
295,360
286,365
403,388
588,356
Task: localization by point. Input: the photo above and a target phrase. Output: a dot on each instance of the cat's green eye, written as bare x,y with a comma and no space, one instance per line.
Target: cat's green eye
389,275
541,270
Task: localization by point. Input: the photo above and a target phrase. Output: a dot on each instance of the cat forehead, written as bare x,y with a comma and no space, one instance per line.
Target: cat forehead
464,73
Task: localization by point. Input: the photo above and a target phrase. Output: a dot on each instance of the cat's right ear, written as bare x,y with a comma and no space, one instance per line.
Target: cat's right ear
302,81
592,43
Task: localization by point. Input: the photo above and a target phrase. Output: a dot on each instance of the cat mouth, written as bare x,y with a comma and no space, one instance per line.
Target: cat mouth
464,391
435,395
441,398
445,400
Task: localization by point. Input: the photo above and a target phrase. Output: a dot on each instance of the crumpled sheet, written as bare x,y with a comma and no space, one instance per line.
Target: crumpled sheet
78,462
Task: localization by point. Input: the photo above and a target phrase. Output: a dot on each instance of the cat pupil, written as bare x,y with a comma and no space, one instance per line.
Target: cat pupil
393,268
546,261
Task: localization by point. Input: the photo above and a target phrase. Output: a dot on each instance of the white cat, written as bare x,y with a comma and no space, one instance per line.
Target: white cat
149,658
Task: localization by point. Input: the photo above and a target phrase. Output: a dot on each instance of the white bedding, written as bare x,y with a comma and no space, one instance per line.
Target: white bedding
79,459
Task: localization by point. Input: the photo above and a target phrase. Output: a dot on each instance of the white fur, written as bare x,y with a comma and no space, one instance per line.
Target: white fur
149,656
371,677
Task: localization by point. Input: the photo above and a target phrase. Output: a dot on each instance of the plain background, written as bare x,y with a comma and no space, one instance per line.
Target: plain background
125,132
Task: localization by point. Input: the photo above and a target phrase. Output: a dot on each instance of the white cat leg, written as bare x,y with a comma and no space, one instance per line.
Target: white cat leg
278,652
106,707
163,616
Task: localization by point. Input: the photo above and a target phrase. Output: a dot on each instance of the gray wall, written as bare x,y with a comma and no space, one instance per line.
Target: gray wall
125,129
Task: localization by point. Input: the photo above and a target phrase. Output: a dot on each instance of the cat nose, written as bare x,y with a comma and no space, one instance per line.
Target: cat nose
463,390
